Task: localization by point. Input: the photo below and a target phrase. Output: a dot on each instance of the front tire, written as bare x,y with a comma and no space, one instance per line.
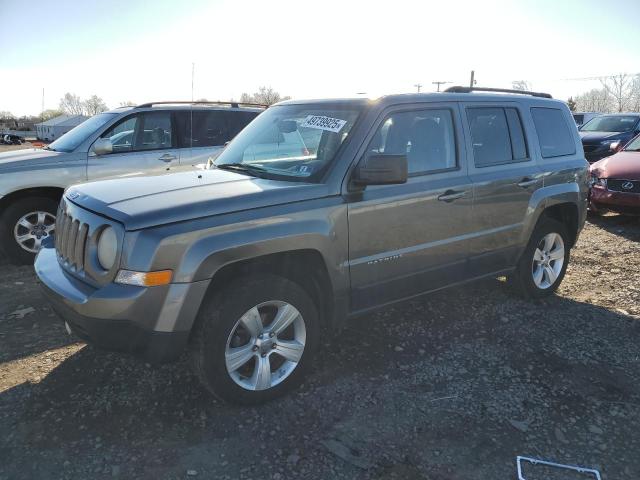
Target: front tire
544,262
24,224
255,339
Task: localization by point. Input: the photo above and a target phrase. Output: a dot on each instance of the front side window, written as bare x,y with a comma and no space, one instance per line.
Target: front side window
296,141
144,131
122,135
553,133
74,137
426,137
497,136
611,123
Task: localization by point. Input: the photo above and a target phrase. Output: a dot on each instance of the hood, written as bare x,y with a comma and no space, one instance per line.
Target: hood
148,201
623,165
30,157
595,137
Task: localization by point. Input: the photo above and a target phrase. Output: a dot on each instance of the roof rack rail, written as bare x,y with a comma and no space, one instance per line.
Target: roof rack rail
200,102
458,89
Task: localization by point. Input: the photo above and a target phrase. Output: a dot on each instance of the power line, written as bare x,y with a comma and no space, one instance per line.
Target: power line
439,83
579,79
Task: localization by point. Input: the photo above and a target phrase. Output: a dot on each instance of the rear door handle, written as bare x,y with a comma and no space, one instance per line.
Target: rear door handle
451,195
527,182
167,157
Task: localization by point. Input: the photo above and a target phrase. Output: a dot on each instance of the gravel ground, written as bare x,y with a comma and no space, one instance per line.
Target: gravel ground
451,386
25,145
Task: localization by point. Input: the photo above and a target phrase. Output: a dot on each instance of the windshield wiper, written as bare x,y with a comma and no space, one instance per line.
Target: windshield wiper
254,170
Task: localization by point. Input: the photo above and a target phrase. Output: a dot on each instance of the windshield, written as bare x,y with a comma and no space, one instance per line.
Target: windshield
295,141
74,137
614,123
633,145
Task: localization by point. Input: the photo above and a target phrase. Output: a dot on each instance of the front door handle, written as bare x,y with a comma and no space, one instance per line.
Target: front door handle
527,182
167,157
451,195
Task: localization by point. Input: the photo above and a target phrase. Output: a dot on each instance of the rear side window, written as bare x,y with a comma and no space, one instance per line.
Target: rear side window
236,121
211,128
497,136
553,133
202,128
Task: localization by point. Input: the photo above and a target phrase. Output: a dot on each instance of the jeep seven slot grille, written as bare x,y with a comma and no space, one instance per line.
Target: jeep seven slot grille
71,240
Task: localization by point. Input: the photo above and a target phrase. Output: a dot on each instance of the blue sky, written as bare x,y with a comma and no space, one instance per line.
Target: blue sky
142,51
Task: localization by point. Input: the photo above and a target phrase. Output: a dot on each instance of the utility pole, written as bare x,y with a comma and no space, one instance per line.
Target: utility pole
439,83
418,86
472,82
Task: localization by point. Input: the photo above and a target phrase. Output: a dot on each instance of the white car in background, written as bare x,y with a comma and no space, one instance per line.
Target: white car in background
149,139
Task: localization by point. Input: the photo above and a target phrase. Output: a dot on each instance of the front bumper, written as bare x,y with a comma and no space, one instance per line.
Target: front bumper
154,322
626,203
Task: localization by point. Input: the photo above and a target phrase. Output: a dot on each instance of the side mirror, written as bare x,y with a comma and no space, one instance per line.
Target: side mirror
102,146
378,169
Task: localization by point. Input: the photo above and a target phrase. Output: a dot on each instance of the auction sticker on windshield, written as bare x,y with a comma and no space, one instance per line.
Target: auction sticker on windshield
323,123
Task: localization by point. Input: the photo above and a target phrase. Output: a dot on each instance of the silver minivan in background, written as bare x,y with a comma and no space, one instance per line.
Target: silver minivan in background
149,139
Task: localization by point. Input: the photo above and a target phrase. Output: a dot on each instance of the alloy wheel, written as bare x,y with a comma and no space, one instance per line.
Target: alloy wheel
32,228
266,345
548,260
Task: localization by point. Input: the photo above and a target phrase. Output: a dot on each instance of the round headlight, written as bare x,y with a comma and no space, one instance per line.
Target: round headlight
107,248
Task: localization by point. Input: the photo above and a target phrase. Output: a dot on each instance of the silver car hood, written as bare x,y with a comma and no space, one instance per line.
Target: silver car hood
17,159
143,202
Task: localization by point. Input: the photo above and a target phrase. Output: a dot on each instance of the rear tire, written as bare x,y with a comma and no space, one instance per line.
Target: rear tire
543,264
238,350
19,220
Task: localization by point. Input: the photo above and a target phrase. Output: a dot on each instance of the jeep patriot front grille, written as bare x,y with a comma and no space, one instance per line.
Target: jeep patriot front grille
71,240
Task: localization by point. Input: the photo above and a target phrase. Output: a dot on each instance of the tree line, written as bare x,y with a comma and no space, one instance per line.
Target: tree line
72,104
617,93
69,104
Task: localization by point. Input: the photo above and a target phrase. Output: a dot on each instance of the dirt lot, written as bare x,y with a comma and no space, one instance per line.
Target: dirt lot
8,148
449,387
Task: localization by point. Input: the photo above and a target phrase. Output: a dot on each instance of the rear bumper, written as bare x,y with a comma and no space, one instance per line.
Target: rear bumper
620,202
154,322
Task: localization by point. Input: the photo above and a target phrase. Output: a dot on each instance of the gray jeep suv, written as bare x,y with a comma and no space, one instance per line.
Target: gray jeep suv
249,264
148,139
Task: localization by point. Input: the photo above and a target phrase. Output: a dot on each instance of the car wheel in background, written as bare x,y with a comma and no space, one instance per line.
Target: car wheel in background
544,262
24,225
255,339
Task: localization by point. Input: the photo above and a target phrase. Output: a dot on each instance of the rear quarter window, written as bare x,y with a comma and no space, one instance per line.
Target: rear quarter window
554,136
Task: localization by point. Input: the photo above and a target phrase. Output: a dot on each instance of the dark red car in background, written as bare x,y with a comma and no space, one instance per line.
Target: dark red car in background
615,181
